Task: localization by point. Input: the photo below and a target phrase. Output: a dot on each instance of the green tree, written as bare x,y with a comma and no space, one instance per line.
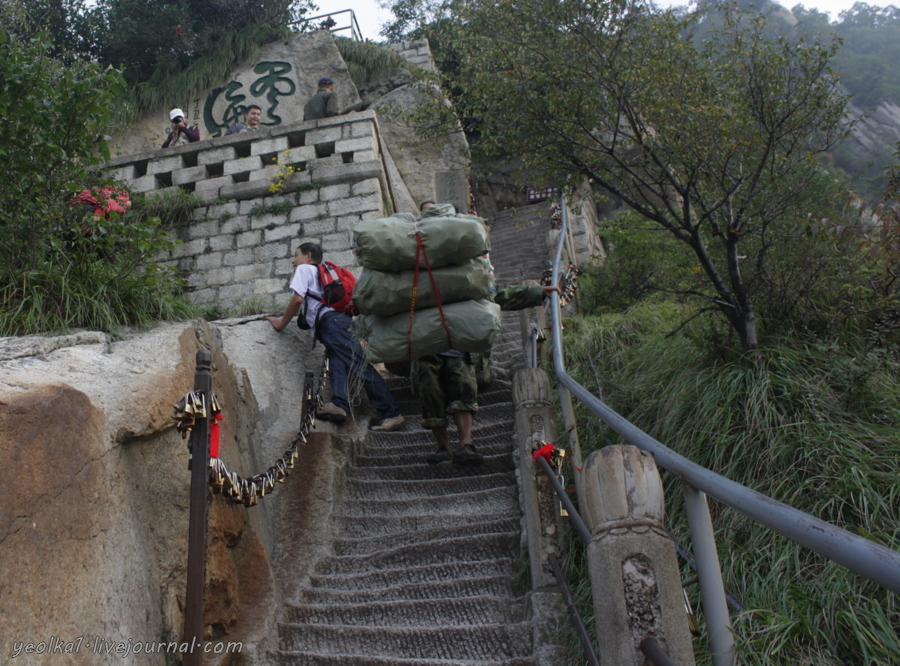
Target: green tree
711,143
59,268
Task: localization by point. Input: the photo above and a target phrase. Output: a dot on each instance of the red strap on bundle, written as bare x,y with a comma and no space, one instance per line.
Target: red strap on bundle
214,436
421,251
546,452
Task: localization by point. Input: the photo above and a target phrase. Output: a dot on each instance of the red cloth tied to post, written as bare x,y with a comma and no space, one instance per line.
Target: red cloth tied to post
422,252
214,435
546,452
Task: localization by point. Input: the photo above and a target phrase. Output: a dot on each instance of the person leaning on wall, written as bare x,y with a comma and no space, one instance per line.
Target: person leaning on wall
251,121
324,104
181,133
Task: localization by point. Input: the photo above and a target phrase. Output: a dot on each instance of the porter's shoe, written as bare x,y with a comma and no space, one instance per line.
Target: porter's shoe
467,456
438,456
389,424
333,413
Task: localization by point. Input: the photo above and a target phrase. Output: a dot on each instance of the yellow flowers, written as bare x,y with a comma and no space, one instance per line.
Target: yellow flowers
282,175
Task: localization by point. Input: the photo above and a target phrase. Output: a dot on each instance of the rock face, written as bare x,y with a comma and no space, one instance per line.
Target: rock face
280,79
416,160
94,514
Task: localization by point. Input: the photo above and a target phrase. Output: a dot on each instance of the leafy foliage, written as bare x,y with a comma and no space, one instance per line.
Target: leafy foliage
812,426
58,267
367,61
713,143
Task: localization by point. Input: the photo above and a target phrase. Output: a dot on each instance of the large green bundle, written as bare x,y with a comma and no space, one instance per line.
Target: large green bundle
473,326
380,293
389,243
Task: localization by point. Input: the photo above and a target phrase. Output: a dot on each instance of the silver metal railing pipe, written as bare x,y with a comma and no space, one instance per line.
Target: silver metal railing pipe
867,558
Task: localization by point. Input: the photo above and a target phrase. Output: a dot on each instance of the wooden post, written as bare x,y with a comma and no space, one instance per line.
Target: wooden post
195,598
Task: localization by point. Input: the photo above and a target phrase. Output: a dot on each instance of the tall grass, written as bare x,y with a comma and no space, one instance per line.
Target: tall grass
811,424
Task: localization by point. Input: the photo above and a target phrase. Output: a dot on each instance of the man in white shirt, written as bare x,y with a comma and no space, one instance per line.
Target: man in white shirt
345,355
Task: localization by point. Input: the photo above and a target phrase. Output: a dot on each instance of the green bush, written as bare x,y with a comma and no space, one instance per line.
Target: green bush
812,425
60,268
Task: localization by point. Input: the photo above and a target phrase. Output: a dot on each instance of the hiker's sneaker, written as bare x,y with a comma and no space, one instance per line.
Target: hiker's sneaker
331,412
389,424
467,456
439,456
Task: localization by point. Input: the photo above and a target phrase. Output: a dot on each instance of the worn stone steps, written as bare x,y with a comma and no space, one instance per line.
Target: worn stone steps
432,573
493,450
379,441
426,488
414,466
499,411
350,527
410,613
485,642
473,503
312,659
497,586
369,545
470,548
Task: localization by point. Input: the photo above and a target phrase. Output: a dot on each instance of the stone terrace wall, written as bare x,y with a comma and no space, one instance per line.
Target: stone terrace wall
239,245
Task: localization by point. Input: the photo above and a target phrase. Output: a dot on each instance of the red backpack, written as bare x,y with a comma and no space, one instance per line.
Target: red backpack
337,284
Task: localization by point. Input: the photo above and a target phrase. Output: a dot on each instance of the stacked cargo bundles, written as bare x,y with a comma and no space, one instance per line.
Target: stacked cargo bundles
454,244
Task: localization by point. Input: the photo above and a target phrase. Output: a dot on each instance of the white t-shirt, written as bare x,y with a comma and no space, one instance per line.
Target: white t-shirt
305,283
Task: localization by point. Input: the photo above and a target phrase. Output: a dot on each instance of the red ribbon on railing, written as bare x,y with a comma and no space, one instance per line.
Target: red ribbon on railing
546,452
214,435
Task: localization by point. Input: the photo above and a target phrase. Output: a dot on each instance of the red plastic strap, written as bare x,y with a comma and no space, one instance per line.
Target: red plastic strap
422,252
437,294
214,436
546,452
415,289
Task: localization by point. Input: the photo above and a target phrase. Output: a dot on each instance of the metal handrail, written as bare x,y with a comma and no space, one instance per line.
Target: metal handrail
867,558
355,32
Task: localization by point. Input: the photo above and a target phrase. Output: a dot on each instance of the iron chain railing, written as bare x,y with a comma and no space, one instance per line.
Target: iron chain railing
248,490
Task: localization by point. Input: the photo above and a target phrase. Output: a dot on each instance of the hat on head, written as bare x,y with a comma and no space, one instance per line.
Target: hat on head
175,113
325,81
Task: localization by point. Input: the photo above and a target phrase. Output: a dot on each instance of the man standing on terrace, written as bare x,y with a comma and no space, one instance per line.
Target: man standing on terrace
324,103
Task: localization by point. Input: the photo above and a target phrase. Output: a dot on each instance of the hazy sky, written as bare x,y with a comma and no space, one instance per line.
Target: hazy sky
371,17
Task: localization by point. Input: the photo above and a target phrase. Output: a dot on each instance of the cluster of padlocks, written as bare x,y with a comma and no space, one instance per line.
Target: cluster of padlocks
570,283
248,490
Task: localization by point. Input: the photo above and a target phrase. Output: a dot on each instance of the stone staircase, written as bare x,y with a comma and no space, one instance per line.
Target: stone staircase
424,562
423,566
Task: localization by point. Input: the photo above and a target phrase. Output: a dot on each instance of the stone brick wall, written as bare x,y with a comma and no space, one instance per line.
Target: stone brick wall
239,245
417,52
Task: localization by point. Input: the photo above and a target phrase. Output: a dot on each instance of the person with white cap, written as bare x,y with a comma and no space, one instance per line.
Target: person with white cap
180,133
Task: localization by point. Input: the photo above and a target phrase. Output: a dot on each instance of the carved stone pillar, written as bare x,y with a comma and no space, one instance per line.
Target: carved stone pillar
634,572
534,423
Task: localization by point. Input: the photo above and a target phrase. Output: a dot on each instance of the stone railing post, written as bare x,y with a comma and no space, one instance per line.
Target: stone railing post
632,562
534,423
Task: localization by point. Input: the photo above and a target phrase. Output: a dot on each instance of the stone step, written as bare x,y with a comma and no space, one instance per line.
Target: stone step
460,549
485,642
414,466
397,489
487,414
396,440
310,659
487,395
351,527
433,573
474,611
498,586
373,544
499,447
495,500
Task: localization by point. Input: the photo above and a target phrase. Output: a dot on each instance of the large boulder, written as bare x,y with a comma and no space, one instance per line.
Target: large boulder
416,160
94,513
